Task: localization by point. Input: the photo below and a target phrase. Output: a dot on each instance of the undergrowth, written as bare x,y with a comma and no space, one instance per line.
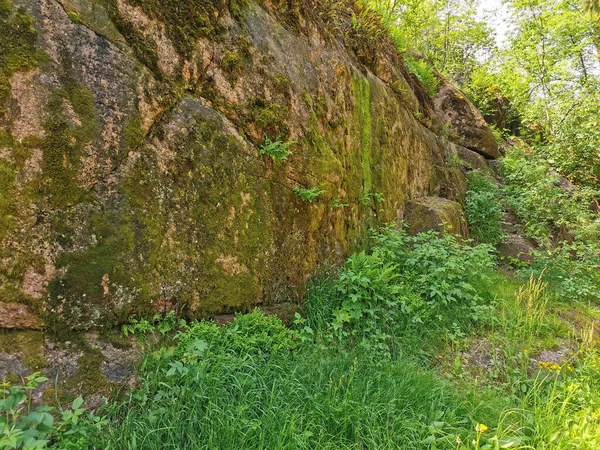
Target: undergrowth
377,358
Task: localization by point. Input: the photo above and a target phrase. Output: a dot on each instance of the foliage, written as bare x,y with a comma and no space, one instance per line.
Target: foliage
491,95
424,73
483,208
451,34
251,335
22,427
158,324
572,269
276,149
404,283
575,151
539,197
309,194
559,216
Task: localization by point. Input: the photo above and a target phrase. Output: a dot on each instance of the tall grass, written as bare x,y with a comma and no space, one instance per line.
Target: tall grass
310,398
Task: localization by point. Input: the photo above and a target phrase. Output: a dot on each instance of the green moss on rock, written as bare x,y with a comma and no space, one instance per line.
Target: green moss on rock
71,124
29,345
96,280
362,115
18,51
133,133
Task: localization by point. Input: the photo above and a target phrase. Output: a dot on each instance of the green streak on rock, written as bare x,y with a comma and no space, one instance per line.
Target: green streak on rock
362,116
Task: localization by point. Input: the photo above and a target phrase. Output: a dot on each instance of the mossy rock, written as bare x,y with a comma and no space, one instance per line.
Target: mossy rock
435,213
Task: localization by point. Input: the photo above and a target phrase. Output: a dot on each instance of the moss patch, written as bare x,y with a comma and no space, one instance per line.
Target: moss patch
187,21
133,133
29,344
269,116
65,141
18,51
97,280
362,116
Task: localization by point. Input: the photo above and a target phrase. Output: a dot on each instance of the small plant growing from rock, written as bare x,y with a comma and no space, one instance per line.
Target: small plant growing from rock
337,203
309,195
230,61
276,149
424,73
367,196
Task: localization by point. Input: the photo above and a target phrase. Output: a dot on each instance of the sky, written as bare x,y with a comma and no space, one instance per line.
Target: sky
499,18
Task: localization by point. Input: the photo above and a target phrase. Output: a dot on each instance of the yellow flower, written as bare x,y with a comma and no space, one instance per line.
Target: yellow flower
458,440
481,428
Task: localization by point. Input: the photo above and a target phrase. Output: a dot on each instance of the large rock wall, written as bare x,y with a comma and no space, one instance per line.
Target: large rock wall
130,173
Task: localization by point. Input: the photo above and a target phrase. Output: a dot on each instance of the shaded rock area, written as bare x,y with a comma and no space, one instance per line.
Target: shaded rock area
89,364
470,159
516,245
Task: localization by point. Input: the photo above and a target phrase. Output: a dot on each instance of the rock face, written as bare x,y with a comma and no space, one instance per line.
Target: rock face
435,213
130,174
465,123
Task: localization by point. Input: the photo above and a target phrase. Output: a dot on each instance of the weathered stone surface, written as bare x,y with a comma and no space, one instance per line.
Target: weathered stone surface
435,213
17,315
516,246
471,160
466,125
89,364
134,181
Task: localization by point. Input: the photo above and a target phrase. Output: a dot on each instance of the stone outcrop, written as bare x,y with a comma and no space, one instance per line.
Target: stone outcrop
131,176
466,125
435,213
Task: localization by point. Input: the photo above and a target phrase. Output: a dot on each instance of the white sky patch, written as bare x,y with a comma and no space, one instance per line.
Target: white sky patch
498,16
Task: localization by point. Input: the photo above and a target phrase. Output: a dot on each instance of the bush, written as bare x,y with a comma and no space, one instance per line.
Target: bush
484,209
249,335
534,192
405,283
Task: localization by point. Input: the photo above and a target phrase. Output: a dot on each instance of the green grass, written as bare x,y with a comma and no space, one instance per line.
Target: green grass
310,399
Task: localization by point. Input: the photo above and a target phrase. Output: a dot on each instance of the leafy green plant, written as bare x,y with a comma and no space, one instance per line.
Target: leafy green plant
484,209
277,150
367,197
424,73
310,194
22,427
337,203
158,324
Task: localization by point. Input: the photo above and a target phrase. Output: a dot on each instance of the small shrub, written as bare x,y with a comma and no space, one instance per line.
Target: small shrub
404,284
309,195
572,270
276,149
484,209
